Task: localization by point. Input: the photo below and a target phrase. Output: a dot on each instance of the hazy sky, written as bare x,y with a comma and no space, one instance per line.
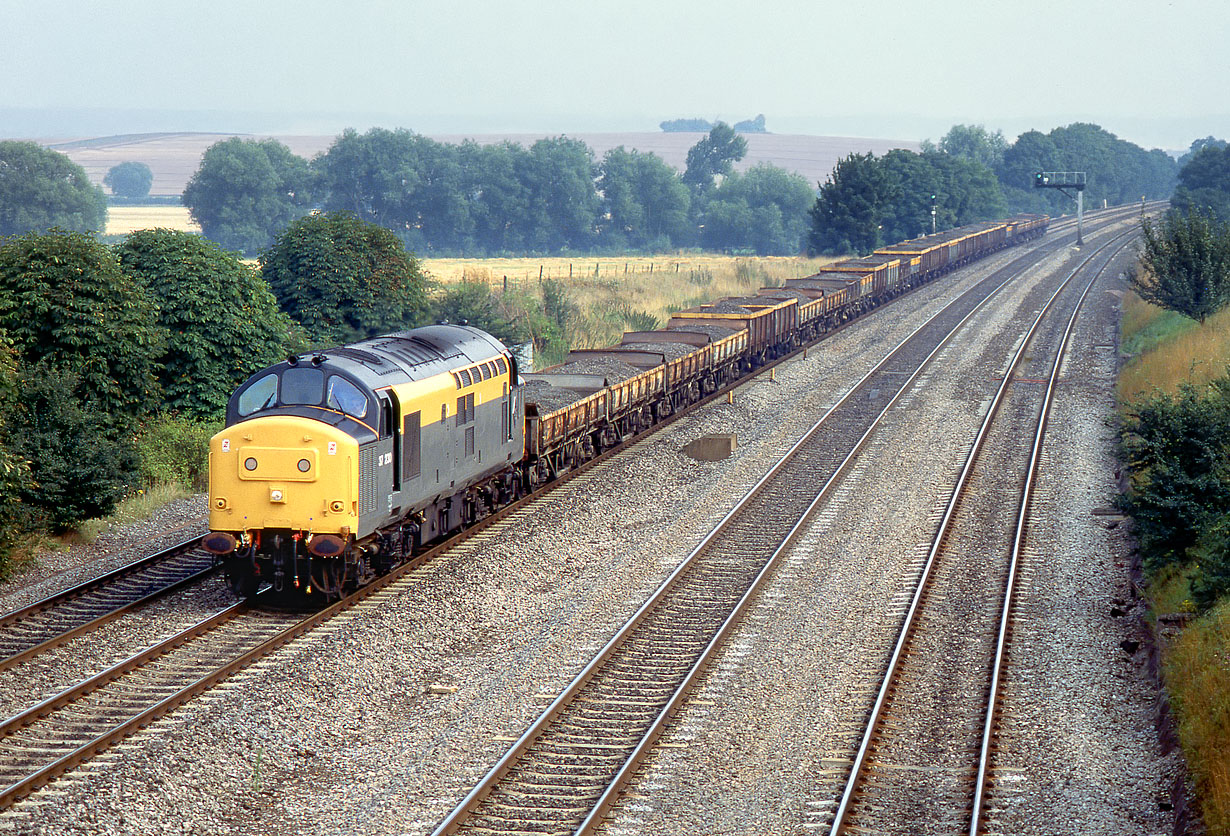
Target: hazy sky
1156,73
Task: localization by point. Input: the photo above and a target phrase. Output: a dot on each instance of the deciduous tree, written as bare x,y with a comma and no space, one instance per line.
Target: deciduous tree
763,210
65,302
223,320
79,466
644,203
1204,183
1186,264
847,215
129,179
41,189
974,142
344,279
1180,493
713,157
246,191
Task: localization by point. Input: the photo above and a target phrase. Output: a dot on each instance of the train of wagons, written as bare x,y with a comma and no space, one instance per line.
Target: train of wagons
337,465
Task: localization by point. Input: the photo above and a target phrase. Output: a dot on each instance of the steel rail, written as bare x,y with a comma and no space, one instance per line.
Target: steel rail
81,590
907,627
101,742
1018,540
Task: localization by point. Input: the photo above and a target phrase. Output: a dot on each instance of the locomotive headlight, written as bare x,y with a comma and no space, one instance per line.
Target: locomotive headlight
249,463
276,495
304,465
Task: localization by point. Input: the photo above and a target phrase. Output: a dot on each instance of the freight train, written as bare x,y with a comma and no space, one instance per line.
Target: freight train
337,465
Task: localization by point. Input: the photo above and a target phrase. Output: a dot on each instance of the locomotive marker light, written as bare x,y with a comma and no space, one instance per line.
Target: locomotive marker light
1063,180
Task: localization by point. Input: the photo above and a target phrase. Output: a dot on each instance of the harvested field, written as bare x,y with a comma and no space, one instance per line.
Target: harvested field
122,220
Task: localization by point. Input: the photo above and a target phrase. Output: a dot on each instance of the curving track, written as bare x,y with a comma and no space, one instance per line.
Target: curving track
163,677
566,770
922,761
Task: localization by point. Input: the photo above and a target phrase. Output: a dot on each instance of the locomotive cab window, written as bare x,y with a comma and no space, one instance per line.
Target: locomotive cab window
344,396
260,395
303,386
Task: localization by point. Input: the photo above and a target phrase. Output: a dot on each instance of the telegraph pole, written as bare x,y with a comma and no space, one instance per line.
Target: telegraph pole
1064,180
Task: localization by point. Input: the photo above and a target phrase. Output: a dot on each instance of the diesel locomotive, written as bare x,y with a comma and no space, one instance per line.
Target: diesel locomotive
337,465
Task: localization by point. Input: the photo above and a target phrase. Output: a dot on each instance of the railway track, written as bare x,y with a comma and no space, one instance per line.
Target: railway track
566,770
69,728
923,758
48,623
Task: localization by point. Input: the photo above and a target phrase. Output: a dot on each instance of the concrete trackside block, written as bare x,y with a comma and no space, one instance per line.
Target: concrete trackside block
711,448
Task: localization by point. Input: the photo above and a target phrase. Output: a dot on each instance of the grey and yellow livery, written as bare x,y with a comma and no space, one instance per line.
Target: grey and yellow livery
336,465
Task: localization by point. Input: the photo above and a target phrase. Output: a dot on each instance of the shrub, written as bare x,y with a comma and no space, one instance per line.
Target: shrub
80,467
344,279
1176,450
225,322
66,305
175,450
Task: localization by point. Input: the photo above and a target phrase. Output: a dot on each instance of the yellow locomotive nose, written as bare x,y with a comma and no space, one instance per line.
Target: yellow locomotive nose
285,472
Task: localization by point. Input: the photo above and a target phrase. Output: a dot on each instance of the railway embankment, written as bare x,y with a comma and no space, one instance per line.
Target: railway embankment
1188,621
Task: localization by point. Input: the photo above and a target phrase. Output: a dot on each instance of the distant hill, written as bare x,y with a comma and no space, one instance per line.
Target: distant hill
174,157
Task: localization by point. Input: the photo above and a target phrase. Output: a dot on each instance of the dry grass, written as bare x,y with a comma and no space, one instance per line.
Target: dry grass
605,301
139,506
1170,349
613,302
122,220
1197,668
522,271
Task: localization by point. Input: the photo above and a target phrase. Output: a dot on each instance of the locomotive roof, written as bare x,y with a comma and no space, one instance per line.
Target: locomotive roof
414,354
369,364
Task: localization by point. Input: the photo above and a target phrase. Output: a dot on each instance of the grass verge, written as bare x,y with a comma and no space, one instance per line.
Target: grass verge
139,506
1197,671
1167,350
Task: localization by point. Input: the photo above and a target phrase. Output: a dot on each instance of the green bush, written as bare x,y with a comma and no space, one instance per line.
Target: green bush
15,523
175,450
80,467
1177,452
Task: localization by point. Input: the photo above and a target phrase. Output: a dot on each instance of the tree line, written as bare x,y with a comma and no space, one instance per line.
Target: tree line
871,201
552,197
555,197
973,175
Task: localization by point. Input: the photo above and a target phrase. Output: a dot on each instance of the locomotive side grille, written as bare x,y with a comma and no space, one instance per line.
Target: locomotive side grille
367,480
